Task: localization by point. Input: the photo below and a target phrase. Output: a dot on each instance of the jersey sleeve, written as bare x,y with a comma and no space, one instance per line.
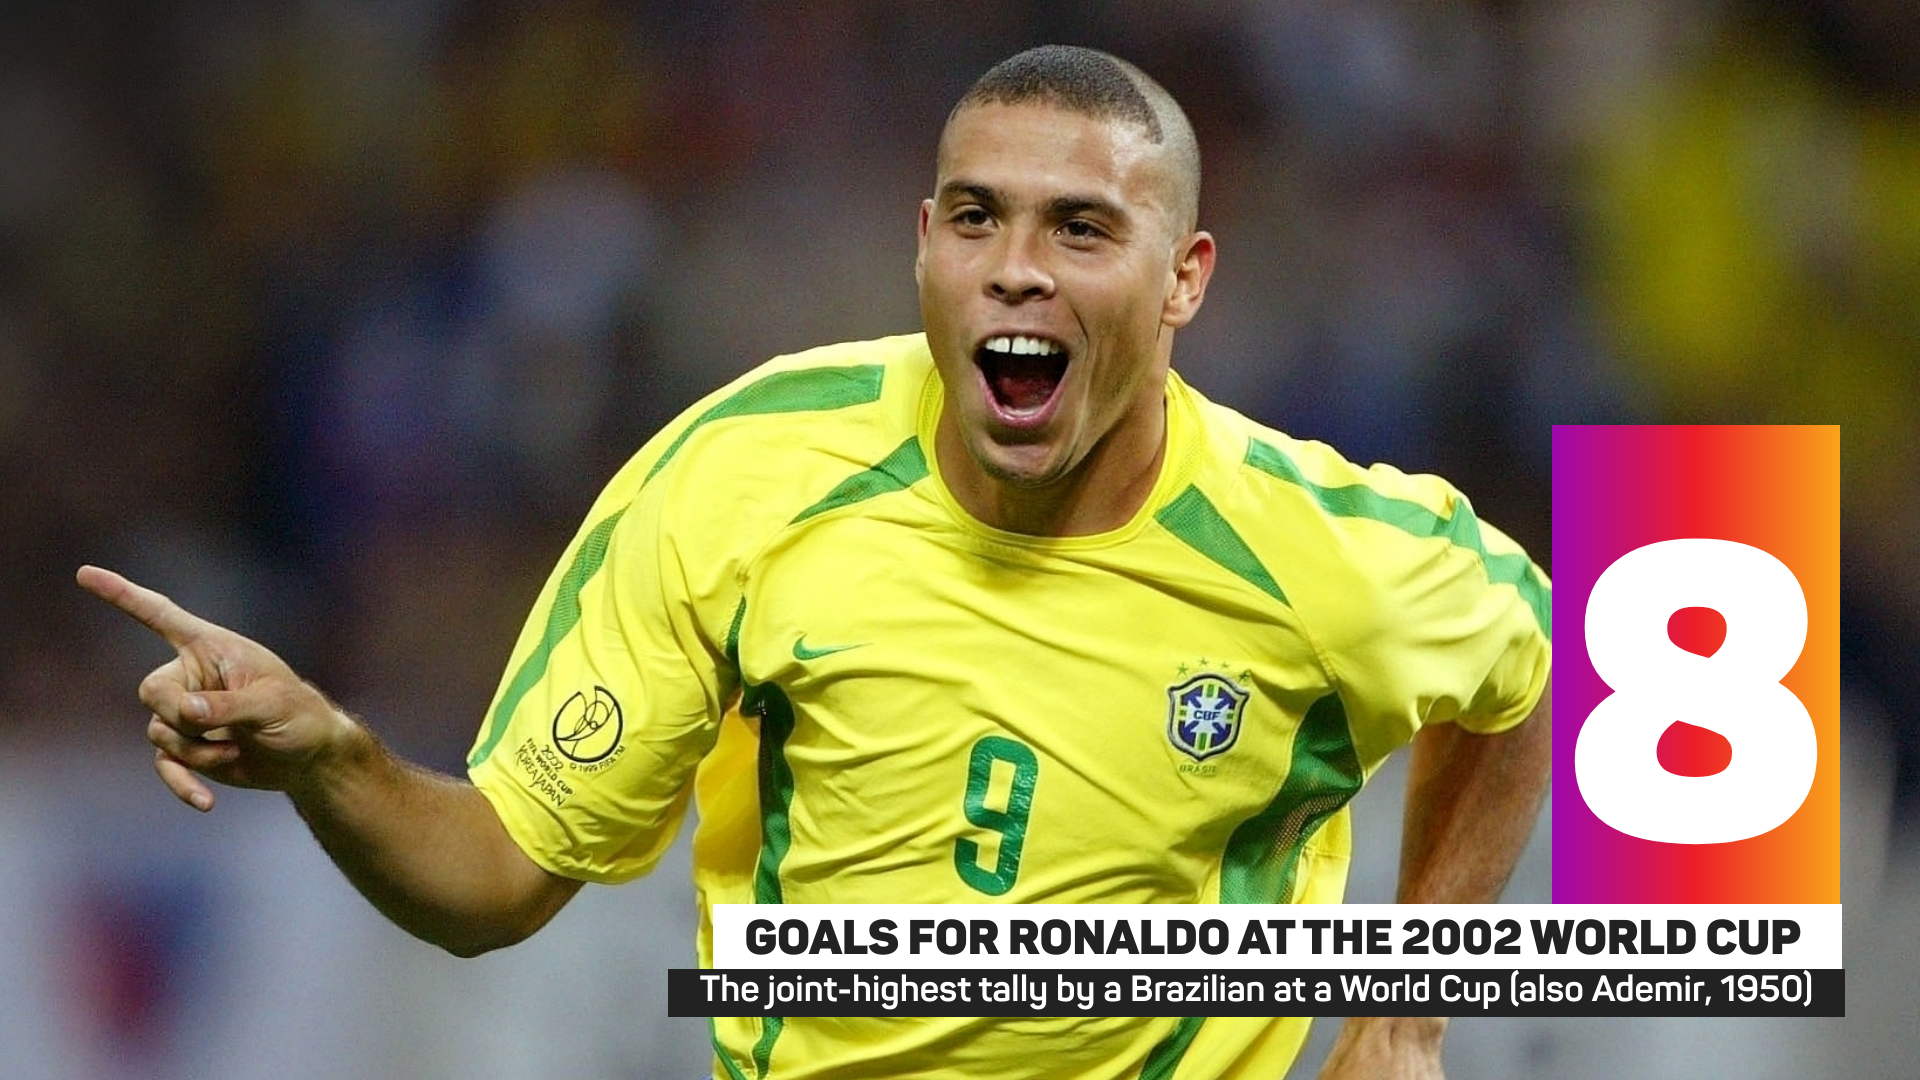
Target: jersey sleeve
612,696
1450,620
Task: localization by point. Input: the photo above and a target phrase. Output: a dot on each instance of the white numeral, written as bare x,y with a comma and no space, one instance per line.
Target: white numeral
1735,692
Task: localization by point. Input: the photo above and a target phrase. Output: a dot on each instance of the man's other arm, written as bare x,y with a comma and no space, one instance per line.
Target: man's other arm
1471,804
426,849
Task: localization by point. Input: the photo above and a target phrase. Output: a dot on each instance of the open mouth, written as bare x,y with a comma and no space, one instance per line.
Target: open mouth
1022,372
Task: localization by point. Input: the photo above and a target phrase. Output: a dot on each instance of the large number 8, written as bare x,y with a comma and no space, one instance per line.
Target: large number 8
1010,823
1736,691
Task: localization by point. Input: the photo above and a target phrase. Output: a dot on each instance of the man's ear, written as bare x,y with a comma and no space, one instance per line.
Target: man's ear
1192,269
920,249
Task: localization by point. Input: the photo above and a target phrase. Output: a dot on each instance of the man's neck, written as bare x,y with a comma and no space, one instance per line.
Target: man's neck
1102,493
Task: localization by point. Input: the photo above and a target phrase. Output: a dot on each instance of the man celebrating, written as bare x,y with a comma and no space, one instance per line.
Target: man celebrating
1003,610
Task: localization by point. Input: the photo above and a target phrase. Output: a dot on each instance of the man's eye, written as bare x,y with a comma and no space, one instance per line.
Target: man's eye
1080,230
972,217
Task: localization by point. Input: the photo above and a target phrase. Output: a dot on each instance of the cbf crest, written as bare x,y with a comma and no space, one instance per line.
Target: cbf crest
1203,715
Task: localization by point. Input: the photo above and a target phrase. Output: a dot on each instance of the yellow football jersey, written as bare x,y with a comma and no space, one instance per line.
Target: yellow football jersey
777,609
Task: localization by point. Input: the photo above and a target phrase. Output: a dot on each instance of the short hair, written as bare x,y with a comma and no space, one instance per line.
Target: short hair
1105,87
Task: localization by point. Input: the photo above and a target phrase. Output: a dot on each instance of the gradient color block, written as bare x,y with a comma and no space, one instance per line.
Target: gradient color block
1616,489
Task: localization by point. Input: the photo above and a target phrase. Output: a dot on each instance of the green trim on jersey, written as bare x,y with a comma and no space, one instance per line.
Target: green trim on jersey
1462,529
776,788
776,798
1199,525
733,633
1264,851
897,471
561,619
720,1053
776,833
804,390
1165,1057
770,1029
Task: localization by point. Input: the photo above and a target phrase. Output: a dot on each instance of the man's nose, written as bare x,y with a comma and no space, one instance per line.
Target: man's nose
1019,272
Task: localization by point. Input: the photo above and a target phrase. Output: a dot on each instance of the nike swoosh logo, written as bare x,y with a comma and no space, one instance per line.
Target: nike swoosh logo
802,652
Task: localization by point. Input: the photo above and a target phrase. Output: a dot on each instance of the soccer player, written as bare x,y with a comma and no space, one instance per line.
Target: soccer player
1001,611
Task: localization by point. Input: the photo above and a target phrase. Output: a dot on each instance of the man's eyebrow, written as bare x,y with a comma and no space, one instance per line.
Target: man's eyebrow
1061,207
969,191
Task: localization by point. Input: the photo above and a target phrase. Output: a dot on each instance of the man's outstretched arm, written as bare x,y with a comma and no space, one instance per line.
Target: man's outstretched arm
427,850
1471,804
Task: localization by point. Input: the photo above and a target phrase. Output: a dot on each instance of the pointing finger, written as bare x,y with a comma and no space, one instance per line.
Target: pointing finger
175,624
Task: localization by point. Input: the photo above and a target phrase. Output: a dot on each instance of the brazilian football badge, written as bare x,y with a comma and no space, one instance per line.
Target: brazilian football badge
1203,715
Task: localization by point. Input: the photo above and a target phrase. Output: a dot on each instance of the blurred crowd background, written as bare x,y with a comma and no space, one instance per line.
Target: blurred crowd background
329,317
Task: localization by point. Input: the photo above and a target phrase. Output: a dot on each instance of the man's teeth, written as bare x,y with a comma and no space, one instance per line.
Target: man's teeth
1020,345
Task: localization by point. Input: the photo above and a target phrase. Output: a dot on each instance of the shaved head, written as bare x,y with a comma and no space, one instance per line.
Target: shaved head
1104,87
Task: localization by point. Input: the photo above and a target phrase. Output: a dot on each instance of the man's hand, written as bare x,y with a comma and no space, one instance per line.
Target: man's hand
226,707
1387,1048
427,850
